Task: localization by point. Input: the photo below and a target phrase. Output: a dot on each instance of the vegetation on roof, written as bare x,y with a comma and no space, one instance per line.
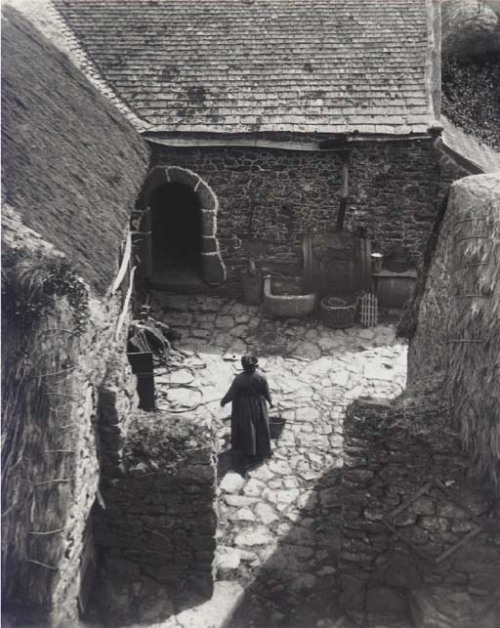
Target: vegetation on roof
44,314
471,68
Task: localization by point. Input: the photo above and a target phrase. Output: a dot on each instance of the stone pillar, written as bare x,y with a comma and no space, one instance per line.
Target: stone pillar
157,531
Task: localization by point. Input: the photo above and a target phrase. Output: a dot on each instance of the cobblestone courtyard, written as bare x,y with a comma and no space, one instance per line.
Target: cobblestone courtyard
278,532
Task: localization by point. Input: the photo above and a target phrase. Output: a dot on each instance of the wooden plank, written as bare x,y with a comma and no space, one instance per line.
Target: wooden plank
473,533
126,303
124,265
410,500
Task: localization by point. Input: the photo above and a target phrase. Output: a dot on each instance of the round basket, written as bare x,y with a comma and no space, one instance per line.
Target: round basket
337,313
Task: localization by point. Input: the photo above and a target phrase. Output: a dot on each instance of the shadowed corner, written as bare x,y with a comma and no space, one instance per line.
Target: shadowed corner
297,585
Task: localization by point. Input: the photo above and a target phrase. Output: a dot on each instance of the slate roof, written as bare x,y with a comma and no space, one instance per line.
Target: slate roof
482,158
232,66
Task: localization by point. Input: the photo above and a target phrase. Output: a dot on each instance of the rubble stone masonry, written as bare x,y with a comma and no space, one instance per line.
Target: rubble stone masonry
415,529
270,198
156,533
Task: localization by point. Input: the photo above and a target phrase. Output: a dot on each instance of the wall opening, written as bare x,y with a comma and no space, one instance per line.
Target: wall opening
176,228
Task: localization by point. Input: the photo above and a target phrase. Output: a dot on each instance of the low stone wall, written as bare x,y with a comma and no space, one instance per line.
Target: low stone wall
417,535
156,533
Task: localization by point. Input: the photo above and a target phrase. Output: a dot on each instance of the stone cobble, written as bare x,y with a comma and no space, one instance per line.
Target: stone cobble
278,531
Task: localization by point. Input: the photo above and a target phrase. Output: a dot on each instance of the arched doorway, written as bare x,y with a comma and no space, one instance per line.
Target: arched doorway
176,228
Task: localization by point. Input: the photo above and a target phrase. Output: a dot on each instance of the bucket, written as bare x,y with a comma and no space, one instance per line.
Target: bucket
276,426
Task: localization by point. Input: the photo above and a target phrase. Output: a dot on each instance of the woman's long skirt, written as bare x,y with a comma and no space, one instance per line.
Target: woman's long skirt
250,435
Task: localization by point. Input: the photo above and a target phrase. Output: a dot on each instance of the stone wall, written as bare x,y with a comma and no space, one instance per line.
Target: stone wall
417,535
59,460
103,362
156,534
270,198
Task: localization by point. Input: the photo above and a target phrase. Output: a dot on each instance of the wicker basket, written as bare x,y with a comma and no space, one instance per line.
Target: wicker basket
337,313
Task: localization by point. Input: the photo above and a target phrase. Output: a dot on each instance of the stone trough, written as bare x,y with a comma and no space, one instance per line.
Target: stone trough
287,305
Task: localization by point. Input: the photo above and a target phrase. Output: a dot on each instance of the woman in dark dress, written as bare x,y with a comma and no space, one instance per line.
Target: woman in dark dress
249,392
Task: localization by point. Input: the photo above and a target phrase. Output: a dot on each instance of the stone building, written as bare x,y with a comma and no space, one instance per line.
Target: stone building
266,118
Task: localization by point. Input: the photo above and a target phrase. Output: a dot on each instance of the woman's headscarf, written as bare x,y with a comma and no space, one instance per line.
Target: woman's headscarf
249,362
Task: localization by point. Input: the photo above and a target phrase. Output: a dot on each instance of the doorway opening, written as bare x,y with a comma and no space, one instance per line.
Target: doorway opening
178,246
176,229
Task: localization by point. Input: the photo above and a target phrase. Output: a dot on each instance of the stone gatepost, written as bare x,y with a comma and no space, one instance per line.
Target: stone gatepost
157,530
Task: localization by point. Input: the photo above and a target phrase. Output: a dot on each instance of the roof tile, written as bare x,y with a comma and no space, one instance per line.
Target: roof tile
268,64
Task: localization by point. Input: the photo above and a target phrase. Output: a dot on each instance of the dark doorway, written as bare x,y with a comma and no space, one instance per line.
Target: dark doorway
176,229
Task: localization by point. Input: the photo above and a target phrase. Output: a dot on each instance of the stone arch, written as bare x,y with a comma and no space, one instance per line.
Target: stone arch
213,269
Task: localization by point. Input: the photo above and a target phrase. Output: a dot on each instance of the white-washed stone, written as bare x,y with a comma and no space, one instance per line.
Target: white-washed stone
231,482
313,457
275,484
257,536
254,488
308,475
291,483
378,371
288,496
244,514
279,467
261,473
339,377
319,368
228,561
354,392
265,513
309,414
270,494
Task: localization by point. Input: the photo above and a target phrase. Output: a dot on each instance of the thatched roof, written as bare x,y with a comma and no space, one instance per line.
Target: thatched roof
473,355
72,165
457,341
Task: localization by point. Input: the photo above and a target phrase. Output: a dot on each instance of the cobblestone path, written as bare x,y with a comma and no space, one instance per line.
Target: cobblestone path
278,530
